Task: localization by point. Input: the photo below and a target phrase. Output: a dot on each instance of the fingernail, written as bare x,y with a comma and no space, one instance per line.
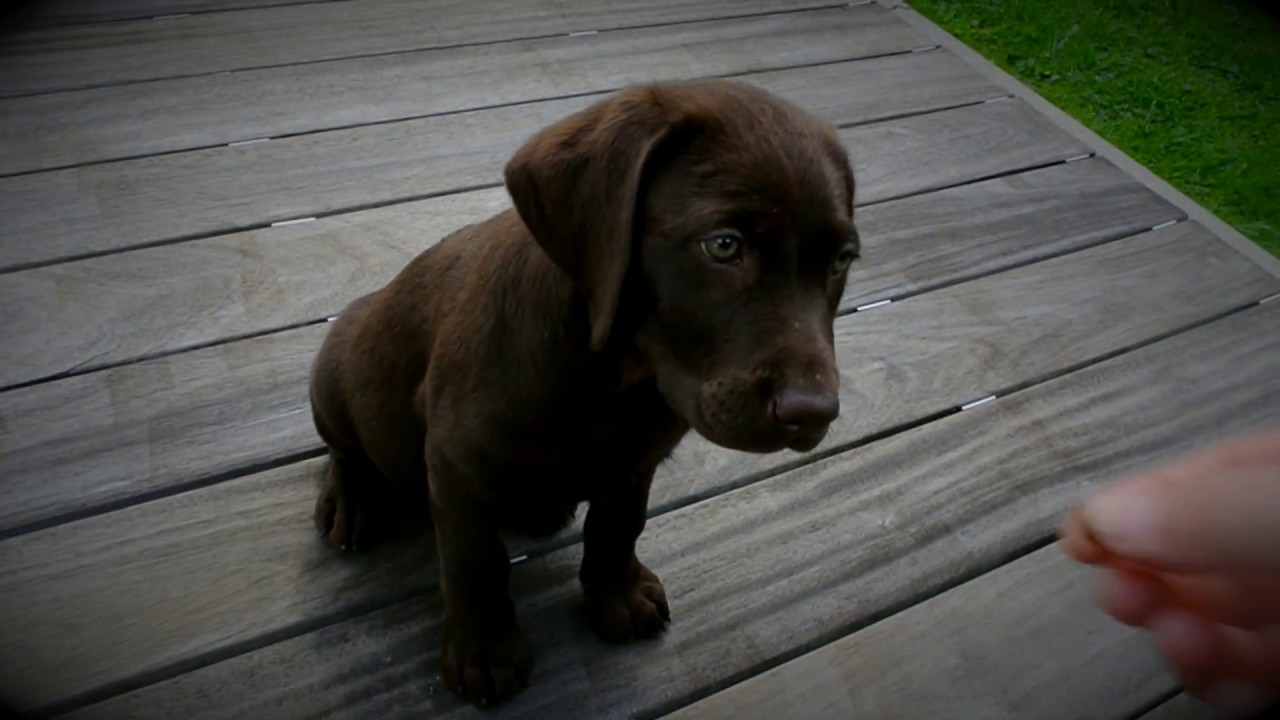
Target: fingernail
1124,521
1238,699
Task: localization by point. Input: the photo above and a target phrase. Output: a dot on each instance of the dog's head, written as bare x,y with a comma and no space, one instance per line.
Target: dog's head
718,219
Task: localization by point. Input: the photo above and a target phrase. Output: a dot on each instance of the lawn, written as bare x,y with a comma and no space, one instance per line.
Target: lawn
1188,88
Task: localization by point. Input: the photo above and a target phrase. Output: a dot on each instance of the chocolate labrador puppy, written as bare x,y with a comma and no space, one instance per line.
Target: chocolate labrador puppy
673,260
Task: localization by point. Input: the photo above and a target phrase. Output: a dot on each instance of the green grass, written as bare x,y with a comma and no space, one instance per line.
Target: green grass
1188,88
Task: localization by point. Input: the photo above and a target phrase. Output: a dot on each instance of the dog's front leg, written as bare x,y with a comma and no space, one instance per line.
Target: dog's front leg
485,656
625,600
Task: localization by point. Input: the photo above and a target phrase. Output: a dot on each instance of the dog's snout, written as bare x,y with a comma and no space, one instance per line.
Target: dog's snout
801,412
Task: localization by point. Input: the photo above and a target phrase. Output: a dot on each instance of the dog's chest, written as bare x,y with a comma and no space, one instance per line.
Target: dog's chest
580,442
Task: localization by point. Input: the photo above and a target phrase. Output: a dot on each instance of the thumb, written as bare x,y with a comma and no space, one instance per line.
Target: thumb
1193,517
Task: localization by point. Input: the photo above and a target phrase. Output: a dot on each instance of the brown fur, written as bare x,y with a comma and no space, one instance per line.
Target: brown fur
556,353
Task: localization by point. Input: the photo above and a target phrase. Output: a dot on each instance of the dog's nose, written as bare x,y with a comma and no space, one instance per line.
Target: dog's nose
800,412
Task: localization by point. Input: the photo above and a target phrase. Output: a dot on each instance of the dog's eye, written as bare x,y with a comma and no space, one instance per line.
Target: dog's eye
844,260
725,247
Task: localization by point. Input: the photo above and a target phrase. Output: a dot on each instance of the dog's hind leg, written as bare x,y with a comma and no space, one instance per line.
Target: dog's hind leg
340,511
343,508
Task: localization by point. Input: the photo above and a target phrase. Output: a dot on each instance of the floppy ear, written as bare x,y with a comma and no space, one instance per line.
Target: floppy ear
575,186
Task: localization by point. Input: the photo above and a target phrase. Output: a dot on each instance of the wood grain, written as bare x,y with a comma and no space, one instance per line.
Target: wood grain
53,130
57,308
45,60
244,403
110,309
779,565
960,654
937,352
103,438
919,154
135,202
915,243
1182,707
71,12
232,559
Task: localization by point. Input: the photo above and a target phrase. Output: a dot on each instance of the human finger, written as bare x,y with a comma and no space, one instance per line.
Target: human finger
1078,543
1188,520
1236,670
1132,596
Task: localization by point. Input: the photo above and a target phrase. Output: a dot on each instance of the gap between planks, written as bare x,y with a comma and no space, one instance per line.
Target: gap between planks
203,202
1180,706
1057,416
380,33
164,117
501,106
882,185
43,18
458,190
991,243
89,366
977,632
1086,342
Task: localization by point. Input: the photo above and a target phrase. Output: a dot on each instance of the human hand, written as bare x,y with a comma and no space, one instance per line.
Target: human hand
1191,552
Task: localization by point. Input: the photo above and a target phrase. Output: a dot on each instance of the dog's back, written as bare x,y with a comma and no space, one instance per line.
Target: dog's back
369,358
368,385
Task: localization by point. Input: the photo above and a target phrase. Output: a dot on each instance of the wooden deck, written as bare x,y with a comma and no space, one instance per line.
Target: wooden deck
184,200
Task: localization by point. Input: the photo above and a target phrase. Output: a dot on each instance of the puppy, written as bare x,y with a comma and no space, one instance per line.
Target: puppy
673,260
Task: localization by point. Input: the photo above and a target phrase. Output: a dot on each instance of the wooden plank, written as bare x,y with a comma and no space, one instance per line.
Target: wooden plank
45,60
275,277
109,309
235,546
915,243
1182,707
105,438
49,13
966,654
55,130
257,385
978,142
941,350
780,565
136,202
928,353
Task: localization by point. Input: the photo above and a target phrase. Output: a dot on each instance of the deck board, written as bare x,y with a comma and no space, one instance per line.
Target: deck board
73,12
67,58
1100,671
833,545
237,560
916,243
935,352
899,363
99,440
1182,707
61,129
115,206
160,465
150,426
69,316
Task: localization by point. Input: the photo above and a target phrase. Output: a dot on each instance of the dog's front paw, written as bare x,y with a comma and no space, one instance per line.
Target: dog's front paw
486,669
636,612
